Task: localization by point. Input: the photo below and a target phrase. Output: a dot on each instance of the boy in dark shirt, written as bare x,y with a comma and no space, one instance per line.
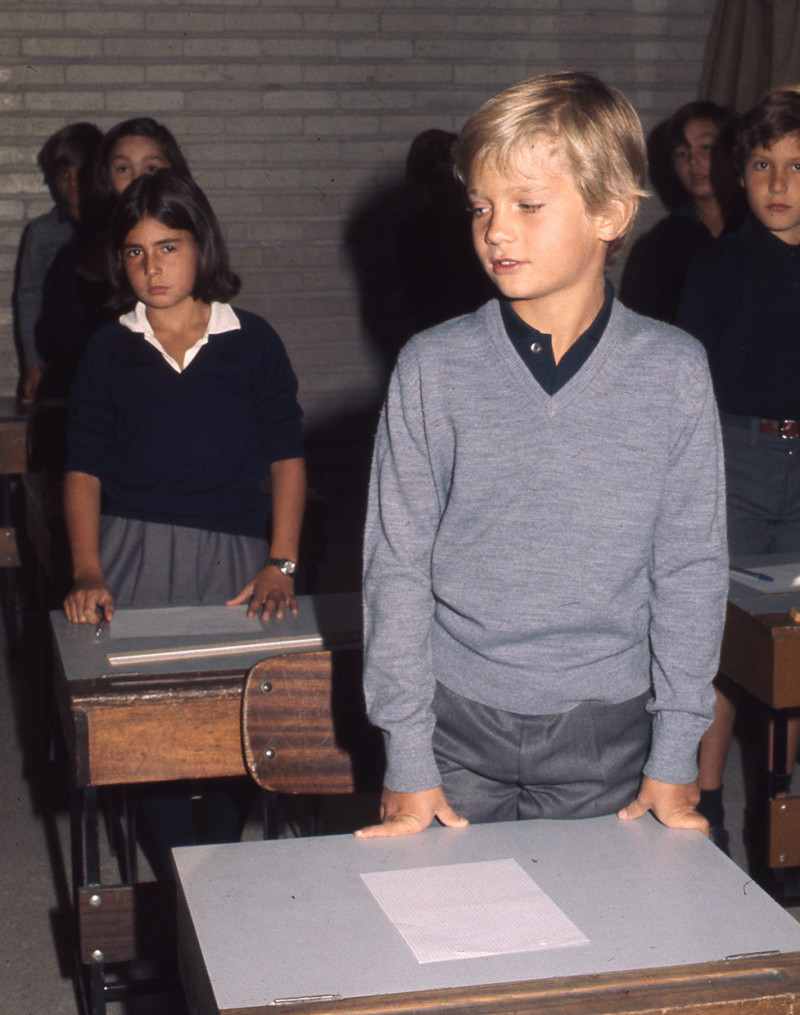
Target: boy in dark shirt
742,300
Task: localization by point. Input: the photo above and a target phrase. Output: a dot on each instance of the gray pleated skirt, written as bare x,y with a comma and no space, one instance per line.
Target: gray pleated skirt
150,564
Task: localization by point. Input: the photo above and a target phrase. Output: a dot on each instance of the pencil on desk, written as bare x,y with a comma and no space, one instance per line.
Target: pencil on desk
753,574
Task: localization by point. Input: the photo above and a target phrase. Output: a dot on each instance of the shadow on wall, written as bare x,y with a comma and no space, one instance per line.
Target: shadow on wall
410,245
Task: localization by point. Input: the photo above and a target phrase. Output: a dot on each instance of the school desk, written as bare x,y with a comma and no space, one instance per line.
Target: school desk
761,655
665,923
15,417
157,697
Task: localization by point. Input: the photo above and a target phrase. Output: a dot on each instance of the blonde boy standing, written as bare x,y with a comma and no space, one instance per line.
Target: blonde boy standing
545,564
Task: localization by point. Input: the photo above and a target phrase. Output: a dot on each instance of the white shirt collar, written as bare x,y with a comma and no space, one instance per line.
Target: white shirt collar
223,318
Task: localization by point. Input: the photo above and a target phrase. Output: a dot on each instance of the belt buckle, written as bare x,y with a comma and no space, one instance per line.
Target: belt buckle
784,425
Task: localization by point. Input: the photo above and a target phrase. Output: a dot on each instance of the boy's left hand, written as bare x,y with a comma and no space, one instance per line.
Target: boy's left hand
270,592
673,804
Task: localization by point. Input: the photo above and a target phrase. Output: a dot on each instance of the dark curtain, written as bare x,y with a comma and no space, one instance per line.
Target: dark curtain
753,45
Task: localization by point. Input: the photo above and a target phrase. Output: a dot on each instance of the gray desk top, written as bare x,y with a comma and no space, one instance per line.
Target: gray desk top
293,918
762,600
83,656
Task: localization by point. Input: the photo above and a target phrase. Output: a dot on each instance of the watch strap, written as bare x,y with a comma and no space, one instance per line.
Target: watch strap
285,566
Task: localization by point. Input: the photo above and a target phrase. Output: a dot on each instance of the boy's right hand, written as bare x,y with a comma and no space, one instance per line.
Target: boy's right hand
89,602
409,813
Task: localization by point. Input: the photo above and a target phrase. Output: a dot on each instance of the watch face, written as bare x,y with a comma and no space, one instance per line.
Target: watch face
288,567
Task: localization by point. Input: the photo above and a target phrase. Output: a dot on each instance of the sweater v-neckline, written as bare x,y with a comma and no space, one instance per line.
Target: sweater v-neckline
575,386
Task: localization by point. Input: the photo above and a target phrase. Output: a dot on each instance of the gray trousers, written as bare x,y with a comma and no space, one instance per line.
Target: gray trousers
148,564
499,766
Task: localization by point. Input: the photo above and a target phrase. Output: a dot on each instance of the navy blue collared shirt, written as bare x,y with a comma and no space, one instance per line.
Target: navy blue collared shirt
536,348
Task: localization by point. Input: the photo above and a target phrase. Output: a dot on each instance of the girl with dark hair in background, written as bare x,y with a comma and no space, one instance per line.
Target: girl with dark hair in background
698,141
77,288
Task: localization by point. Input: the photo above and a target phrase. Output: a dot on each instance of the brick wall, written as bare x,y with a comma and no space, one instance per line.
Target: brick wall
296,116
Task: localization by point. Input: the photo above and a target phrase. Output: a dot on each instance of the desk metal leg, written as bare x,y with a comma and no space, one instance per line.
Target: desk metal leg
131,871
116,923
776,833
91,836
780,747
97,988
85,841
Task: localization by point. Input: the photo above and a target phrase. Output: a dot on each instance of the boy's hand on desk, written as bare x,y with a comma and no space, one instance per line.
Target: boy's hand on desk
408,813
271,592
673,804
89,601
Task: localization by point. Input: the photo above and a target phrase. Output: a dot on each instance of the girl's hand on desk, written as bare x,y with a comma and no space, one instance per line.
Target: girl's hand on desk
89,601
271,592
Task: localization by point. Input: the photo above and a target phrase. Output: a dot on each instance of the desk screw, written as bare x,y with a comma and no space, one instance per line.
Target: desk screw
97,955
781,858
95,900
266,687
268,754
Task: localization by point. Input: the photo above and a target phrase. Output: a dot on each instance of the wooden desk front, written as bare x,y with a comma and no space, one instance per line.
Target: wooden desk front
14,420
761,655
177,719
670,920
156,721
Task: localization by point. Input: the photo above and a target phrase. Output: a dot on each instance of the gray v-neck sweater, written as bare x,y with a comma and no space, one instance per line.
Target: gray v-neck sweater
531,552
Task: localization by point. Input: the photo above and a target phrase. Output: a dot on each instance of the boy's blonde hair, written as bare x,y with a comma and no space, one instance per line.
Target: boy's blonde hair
596,128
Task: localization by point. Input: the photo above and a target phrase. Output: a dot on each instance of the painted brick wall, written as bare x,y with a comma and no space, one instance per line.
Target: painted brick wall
296,117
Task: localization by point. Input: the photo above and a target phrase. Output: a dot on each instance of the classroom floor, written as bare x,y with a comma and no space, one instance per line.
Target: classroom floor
35,926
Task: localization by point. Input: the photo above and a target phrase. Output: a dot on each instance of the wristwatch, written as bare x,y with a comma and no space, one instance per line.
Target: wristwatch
287,567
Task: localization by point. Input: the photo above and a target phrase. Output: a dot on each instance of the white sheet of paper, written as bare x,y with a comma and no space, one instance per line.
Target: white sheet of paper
786,578
468,910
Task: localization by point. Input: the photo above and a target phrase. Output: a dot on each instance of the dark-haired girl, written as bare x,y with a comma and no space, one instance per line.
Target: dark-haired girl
133,148
698,149
182,412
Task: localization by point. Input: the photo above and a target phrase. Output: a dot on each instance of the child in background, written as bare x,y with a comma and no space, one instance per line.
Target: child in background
179,413
545,565
78,288
64,159
130,150
741,299
698,140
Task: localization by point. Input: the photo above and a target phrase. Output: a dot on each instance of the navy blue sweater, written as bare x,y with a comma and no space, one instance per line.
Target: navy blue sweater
742,300
190,448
